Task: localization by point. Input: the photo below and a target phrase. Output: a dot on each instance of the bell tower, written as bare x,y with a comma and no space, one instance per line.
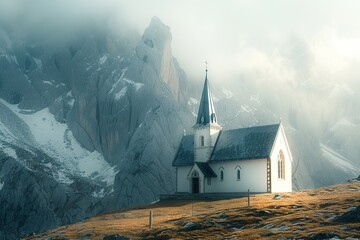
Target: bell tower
206,129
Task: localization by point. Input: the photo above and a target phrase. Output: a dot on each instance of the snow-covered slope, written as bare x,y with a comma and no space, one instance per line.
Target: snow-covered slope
57,141
339,161
45,173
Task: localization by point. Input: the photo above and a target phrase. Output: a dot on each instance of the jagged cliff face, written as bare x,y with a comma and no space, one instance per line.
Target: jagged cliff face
115,92
87,125
156,118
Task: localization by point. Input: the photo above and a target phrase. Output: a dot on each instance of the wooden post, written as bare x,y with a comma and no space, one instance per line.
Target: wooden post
192,208
248,197
150,219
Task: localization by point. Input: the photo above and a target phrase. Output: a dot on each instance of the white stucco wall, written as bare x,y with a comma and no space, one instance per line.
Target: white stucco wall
202,153
253,176
281,185
182,180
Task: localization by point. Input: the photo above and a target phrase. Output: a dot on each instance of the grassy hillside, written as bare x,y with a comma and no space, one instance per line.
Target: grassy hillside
316,214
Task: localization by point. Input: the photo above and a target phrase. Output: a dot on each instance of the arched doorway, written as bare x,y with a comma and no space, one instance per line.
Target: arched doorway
195,182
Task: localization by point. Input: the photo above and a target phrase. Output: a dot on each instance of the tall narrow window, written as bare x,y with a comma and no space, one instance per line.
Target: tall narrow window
238,172
209,181
281,165
202,141
221,175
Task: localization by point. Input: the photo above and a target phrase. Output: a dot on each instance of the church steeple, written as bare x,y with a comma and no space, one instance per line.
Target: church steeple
206,112
206,129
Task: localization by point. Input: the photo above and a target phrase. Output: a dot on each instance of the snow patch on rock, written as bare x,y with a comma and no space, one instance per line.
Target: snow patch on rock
228,94
341,124
255,99
38,63
98,194
248,109
56,140
120,94
103,59
13,58
124,81
71,100
48,83
10,152
136,85
338,160
193,101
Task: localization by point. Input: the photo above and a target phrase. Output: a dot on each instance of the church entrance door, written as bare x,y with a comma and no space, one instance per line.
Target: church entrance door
195,185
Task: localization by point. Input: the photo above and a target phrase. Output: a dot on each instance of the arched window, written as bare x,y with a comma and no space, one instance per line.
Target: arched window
281,165
202,141
213,118
221,171
238,173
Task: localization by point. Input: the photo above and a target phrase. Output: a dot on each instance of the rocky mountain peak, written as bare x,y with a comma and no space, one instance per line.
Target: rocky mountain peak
157,35
154,49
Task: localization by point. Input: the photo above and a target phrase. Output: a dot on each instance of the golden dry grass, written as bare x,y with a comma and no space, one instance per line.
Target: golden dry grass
295,215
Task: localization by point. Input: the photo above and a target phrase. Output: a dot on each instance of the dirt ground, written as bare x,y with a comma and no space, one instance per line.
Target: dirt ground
307,214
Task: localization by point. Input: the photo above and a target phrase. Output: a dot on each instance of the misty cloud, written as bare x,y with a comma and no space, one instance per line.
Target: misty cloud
42,18
223,33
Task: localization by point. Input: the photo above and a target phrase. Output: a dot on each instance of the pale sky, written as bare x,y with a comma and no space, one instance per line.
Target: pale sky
279,37
233,34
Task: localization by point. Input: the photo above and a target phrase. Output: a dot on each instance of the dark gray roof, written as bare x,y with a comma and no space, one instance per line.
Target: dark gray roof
236,144
206,169
245,143
185,152
206,112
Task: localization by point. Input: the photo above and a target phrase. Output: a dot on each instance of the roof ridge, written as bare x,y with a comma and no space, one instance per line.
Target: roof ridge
267,125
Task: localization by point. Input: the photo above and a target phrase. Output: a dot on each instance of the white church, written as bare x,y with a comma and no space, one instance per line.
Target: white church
232,161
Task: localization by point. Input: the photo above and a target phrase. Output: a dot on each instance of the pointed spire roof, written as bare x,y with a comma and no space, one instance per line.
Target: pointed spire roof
206,112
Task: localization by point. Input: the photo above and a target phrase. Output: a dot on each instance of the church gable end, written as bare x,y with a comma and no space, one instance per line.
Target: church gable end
281,164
